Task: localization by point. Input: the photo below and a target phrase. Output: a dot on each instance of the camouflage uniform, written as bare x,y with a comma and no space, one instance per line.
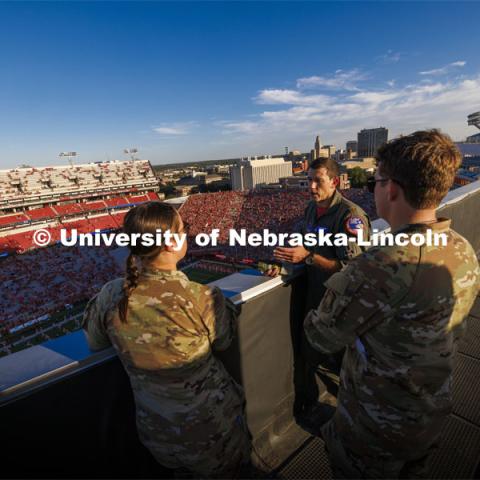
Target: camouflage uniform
400,310
335,220
189,409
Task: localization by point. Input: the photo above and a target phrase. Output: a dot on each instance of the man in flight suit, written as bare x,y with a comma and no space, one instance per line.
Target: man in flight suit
331,212
399,310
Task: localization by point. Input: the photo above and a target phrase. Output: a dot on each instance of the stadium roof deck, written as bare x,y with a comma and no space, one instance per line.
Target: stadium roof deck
459,452
44,382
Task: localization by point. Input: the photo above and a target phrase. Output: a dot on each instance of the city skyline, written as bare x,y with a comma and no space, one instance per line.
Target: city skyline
202,81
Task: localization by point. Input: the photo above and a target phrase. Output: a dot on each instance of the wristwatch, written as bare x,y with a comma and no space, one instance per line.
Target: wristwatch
309,259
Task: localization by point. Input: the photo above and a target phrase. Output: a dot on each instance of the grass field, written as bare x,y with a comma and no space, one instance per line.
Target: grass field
201,275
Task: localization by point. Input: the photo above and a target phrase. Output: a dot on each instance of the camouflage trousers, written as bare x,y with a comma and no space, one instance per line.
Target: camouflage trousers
227,457
314,374
345,463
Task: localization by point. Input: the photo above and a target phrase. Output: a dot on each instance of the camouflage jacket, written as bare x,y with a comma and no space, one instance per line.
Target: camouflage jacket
187,403
401,311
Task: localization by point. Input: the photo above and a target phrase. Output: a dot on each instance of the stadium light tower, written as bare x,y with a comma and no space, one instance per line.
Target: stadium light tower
474,119
69,155
131,152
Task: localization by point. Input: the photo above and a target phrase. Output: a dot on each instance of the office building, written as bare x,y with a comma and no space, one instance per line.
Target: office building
247,174
352,145
370,140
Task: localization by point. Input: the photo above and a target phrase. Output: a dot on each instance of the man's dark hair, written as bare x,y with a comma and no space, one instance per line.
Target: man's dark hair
424,165
333,170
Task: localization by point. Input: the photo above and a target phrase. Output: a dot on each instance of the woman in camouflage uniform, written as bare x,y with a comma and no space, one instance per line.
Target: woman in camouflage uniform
164,329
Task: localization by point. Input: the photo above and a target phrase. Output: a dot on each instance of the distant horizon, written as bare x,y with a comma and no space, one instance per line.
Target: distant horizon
189,81
66,163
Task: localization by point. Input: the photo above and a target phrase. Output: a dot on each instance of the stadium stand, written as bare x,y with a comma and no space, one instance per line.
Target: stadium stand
45,280
116,202
10,220
23,186
82,270
77,196
41,213
278,211
93,206
68,209
137,199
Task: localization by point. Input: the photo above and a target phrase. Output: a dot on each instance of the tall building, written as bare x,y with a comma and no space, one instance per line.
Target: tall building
318,147
370,140
247,174
329,150
352,145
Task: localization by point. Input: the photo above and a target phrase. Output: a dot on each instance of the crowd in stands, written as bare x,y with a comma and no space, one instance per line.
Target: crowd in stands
214,267
279,212
362,197
204,212
45,280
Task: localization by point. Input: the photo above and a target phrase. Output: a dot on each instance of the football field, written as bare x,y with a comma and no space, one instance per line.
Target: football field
201,275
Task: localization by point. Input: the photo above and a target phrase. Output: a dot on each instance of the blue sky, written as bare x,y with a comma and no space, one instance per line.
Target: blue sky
195,81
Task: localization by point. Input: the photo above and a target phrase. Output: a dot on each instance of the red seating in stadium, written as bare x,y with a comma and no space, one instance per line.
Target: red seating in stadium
41,213
118,218
116,201
13,219
137,198
82,226
68,209
21,242
152,196
94,206
105,222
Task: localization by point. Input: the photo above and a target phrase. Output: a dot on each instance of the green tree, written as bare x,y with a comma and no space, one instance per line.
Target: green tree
358,177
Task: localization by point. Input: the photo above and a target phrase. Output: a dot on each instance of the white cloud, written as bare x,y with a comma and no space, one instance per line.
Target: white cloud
289,97
242,127
174,129
296,115
390,57
444,70
341,80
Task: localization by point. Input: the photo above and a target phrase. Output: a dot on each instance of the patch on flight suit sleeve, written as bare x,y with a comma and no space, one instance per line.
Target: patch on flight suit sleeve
353,224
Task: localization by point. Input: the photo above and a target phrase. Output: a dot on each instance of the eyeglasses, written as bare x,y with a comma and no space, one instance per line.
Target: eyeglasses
372,181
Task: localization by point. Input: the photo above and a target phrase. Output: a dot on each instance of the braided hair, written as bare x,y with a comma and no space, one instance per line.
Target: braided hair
145,218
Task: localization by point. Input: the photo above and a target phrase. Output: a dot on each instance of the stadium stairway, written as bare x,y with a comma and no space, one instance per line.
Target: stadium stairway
459,450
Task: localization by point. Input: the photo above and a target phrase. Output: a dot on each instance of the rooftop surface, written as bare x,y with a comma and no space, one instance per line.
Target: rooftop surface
459,451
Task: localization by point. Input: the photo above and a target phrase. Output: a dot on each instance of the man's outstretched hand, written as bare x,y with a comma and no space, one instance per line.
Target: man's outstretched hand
291,254
273,271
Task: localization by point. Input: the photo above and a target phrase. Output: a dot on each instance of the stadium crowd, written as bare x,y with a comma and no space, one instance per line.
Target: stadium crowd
42,281
279,212
45,280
